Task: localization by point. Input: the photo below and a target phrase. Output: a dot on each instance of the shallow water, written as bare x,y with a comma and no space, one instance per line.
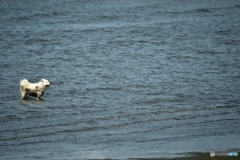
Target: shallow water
128,79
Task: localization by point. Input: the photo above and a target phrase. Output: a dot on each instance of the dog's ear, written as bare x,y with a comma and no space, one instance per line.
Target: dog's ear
42,80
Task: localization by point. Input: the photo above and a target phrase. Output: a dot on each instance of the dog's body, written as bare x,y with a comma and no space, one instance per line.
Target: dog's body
33,89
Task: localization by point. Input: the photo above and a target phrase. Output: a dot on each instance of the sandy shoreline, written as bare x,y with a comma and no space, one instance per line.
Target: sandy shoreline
194,156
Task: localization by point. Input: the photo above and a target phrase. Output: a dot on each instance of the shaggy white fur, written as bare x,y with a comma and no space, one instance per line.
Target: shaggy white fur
33,89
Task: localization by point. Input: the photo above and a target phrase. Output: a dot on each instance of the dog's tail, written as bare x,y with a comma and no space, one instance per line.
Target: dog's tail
24,82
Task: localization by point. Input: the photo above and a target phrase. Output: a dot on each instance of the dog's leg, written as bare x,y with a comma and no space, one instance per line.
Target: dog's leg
23,93
38,96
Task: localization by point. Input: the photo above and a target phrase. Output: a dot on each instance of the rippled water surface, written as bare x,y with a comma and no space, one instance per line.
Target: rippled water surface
129,79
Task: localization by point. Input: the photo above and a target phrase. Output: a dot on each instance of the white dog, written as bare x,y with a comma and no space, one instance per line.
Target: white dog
33,89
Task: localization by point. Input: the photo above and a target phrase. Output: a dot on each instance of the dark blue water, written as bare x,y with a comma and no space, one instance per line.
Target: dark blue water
129,79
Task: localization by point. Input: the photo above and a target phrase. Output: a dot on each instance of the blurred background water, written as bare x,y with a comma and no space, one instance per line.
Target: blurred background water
129,78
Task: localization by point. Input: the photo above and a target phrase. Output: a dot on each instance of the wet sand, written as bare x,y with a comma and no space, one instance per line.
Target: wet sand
195,156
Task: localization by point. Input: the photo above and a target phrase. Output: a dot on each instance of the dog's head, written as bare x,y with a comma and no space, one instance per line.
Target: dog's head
45,82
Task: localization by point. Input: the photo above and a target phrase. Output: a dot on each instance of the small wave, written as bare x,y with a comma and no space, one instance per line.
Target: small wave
223,32
236,6
203,10
49,14
24,18
109,88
